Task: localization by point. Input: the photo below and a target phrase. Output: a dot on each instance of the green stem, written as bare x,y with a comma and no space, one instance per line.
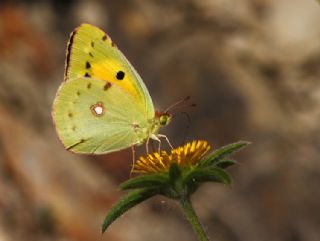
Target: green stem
193,219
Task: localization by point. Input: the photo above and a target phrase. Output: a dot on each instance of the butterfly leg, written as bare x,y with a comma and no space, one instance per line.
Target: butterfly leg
165,137
155,137
133,158
159,147
147,145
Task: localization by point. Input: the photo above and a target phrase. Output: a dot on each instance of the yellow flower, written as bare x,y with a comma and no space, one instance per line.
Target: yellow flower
177,176
188,155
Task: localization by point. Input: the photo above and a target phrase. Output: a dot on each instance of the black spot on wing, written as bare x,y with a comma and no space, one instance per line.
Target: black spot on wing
120,75
88,65
87,75
104,38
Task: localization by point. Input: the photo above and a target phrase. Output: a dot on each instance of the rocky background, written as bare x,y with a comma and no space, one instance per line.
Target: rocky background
251,66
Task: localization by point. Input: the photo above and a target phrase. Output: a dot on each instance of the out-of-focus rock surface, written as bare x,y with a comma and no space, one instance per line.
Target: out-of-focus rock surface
251,66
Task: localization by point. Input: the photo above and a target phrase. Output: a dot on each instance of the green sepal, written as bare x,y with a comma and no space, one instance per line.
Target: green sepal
221,153
173,188
199,175
174,172
224,163
146,181
127,202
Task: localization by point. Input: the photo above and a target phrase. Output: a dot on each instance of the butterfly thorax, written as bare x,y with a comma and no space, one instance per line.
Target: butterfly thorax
151,129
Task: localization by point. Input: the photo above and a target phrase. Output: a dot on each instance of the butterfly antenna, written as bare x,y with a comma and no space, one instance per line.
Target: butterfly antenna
187,127
183,106
176,105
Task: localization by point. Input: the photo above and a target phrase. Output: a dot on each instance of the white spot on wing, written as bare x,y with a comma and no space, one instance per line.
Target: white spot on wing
97,109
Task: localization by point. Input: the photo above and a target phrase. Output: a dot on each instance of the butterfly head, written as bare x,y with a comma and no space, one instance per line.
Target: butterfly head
164,118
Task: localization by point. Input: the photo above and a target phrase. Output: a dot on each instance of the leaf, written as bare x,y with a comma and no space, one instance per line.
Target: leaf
199,175
221,153
129,201
145,181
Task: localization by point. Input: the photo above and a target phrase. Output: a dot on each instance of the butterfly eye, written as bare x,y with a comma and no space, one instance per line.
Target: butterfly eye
165,119
120,75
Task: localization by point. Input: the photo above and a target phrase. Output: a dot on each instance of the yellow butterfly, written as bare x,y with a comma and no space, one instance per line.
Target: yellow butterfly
103,104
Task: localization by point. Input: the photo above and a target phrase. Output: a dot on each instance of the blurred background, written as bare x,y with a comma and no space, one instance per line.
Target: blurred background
251,66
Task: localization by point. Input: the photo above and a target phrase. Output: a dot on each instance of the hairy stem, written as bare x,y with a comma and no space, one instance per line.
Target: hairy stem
193,219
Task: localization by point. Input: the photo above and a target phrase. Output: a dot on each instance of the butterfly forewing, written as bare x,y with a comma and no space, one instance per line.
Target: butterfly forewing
91,53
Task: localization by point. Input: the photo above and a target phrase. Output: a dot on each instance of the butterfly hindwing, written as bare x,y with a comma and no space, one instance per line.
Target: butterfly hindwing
95,116
91,53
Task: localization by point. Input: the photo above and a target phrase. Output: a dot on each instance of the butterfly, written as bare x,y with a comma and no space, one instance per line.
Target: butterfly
103,105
